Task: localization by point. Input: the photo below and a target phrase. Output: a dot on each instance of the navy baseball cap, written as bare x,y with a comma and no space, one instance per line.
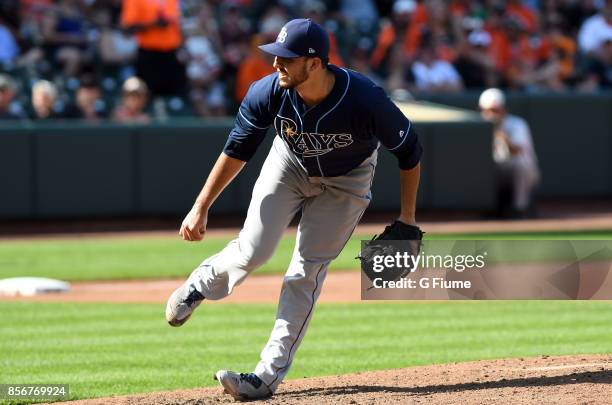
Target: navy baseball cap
299,37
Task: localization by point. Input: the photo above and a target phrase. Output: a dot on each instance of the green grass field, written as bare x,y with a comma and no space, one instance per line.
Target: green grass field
112,349
161,257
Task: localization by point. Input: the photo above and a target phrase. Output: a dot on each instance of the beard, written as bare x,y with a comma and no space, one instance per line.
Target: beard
291,82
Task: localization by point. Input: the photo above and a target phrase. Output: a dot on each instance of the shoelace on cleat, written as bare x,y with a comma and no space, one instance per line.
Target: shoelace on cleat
194,295
251,379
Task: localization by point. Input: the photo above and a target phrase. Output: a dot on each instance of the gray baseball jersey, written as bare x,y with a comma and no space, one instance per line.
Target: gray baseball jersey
321,163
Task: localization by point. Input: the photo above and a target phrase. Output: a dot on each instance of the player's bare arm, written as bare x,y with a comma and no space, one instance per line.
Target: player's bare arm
223,172
409,184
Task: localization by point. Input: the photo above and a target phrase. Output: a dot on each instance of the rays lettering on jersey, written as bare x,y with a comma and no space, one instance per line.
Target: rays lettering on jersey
309,144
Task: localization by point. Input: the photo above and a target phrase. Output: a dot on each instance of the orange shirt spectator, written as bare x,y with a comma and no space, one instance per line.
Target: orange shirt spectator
410,44
522,51
162,18
420,16
334,54
459,8
522,58
407,18
524,14
413,39
386,37
565,47
500,49
253,68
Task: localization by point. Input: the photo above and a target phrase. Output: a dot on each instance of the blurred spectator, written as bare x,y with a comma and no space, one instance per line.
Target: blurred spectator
134,99
203,22
88,105
360,60
521,58
20,36
495,25
599,71
560,49
235,38
157,28
258,64
428,25
438,27
7,92
9,50
595,29
523,13
317,11
28,27
513,153
431,73
207,92
469,25
114,7
459,9
64,36
117,49
44,97
32,7
534,44
9,12
576,12
475,64
393,34
420,16
361,15
529,65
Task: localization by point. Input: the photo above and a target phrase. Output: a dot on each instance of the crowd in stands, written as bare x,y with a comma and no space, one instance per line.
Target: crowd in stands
135,60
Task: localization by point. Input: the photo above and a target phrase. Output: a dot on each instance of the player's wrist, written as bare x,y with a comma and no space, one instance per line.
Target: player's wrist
201,206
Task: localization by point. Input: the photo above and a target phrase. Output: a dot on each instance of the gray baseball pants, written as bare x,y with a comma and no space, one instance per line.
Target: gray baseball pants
331,208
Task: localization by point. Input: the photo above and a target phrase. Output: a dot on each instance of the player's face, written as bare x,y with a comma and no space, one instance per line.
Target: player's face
492,114
87,96
135,102
42,100
291,71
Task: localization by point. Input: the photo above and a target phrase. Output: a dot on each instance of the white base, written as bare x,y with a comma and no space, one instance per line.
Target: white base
29,286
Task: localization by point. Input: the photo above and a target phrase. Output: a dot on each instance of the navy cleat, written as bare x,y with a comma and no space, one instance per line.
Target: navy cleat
243,386
183,301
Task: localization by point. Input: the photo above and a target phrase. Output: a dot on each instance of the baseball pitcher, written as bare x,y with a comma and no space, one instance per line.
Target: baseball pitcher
329,123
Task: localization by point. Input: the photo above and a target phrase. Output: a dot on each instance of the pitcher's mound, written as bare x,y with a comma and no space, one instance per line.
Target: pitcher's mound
583,379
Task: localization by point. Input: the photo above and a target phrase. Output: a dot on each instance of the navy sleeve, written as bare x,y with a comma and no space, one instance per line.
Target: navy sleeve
395,131
254,117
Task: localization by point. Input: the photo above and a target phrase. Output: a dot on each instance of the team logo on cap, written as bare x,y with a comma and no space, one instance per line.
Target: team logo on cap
282,35
310,50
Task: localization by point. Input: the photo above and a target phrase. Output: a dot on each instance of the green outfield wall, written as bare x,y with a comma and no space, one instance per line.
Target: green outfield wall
68,170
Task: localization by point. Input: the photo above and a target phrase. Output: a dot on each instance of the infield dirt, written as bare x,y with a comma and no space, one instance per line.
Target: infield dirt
585,379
